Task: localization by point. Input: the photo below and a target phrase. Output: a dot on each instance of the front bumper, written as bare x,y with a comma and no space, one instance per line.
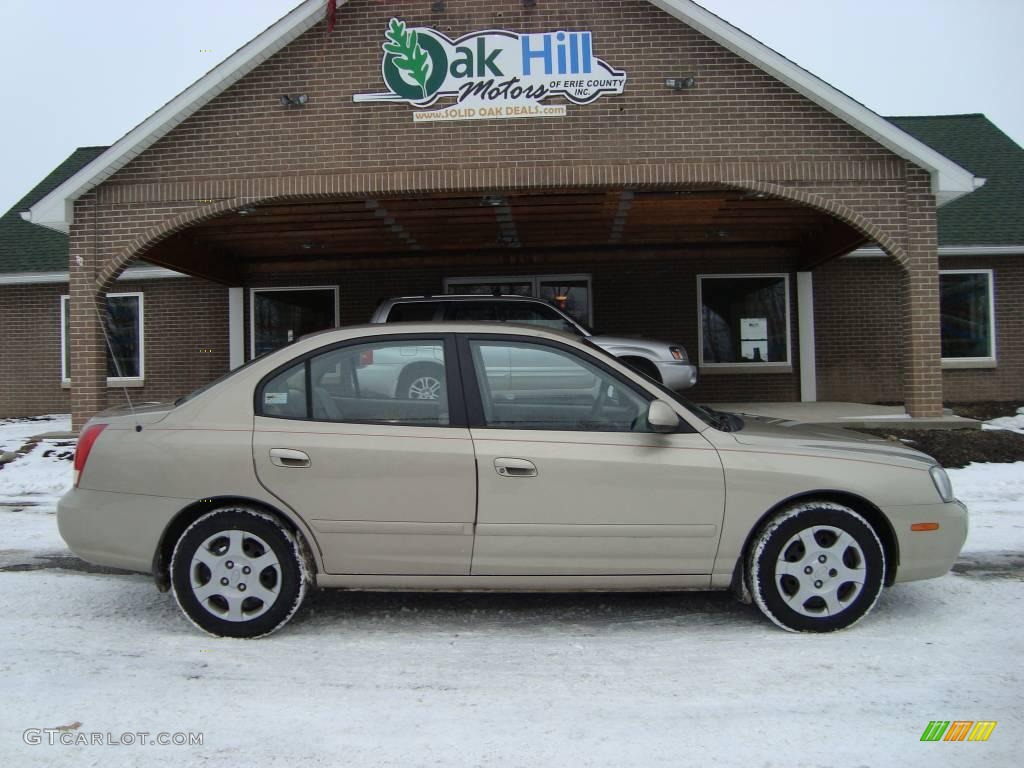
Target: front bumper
928,554
119,530
677,375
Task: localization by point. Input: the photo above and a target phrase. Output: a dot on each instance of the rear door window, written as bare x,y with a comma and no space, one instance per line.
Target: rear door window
400,382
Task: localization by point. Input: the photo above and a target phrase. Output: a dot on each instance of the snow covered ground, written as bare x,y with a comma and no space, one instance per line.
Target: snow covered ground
1012,423
506,680
41,476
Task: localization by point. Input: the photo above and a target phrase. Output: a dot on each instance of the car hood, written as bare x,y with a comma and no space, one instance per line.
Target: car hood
785,434
635,342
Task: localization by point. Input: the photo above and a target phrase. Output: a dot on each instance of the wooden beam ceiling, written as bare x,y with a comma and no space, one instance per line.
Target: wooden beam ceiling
306,232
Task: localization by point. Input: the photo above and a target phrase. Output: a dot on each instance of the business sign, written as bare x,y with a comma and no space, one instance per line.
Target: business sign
492,74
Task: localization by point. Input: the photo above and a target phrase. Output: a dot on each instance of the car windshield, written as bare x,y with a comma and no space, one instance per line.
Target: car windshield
587,330
540,314
727,422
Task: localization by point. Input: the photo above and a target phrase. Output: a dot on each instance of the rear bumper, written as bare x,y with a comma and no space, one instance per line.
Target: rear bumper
676,375
929,554
119,530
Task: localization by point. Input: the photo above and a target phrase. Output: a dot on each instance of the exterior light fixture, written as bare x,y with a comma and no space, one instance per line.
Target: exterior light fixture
680,83
298,100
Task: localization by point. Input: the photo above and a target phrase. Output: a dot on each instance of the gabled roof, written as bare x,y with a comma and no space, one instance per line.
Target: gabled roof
56,210
25,247
949,180
994,215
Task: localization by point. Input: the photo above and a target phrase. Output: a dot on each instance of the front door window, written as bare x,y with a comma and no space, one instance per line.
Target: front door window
533,386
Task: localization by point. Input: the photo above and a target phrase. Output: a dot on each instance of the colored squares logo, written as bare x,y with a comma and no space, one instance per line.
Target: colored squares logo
958,730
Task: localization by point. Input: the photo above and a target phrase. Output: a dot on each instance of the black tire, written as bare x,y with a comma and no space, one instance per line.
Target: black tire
828,596
276,589
416,373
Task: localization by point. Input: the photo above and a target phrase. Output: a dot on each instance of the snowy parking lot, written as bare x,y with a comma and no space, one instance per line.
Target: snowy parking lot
500,680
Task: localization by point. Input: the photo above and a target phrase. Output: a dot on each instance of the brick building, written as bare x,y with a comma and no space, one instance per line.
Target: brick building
658,169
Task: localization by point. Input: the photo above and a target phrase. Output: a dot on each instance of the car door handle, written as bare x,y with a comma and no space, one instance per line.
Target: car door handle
515,468
285,457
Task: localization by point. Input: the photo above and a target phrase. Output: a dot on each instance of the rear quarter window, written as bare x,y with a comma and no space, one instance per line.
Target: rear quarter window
284,396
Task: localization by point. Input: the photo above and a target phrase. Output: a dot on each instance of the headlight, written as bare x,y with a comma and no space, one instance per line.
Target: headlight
678,354
942,483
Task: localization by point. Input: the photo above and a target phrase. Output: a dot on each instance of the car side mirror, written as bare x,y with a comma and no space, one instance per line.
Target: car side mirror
661,417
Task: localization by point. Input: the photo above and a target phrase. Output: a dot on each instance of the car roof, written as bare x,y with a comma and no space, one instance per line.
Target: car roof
463,297
398,329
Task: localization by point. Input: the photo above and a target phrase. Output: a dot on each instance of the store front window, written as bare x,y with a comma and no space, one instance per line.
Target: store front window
966,306
280,316
570,293
744,320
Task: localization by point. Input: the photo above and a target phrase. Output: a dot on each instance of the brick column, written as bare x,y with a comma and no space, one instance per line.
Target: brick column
86,342
922,362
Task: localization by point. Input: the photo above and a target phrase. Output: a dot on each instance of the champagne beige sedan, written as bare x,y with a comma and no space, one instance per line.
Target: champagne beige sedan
310,468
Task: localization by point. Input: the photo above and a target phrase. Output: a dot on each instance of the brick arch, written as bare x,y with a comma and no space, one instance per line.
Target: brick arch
154,235
736,176
837,210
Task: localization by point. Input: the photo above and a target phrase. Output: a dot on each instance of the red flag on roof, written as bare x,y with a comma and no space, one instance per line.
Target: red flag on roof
332,13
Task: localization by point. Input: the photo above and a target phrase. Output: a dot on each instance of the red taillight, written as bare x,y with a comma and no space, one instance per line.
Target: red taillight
366,358
85,443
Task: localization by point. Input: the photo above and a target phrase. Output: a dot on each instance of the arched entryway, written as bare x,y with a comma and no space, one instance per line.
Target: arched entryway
646,248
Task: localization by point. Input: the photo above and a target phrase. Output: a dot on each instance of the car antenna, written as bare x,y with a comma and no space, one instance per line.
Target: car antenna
117,367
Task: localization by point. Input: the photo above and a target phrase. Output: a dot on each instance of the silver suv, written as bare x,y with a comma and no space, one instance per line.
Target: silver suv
664,362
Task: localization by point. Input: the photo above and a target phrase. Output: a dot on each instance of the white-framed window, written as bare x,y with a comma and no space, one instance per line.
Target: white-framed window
279,316
124,325
967,312
744,321
570,293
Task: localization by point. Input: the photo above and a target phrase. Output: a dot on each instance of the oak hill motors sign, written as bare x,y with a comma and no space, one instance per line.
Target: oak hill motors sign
491,74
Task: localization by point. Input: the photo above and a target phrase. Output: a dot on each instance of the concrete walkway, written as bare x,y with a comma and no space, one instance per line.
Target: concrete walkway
849,415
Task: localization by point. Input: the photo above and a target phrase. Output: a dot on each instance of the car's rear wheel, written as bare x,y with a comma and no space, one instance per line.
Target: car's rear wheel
421,382
237,572
816,567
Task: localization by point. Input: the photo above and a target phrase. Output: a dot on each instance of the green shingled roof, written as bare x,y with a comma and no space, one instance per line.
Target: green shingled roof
26,247
994,214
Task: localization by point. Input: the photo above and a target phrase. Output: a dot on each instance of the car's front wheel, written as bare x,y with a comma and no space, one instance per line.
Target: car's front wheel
816,567
237,572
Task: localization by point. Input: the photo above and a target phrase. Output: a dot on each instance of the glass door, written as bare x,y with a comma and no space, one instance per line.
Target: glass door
492,289
570,293
283,315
